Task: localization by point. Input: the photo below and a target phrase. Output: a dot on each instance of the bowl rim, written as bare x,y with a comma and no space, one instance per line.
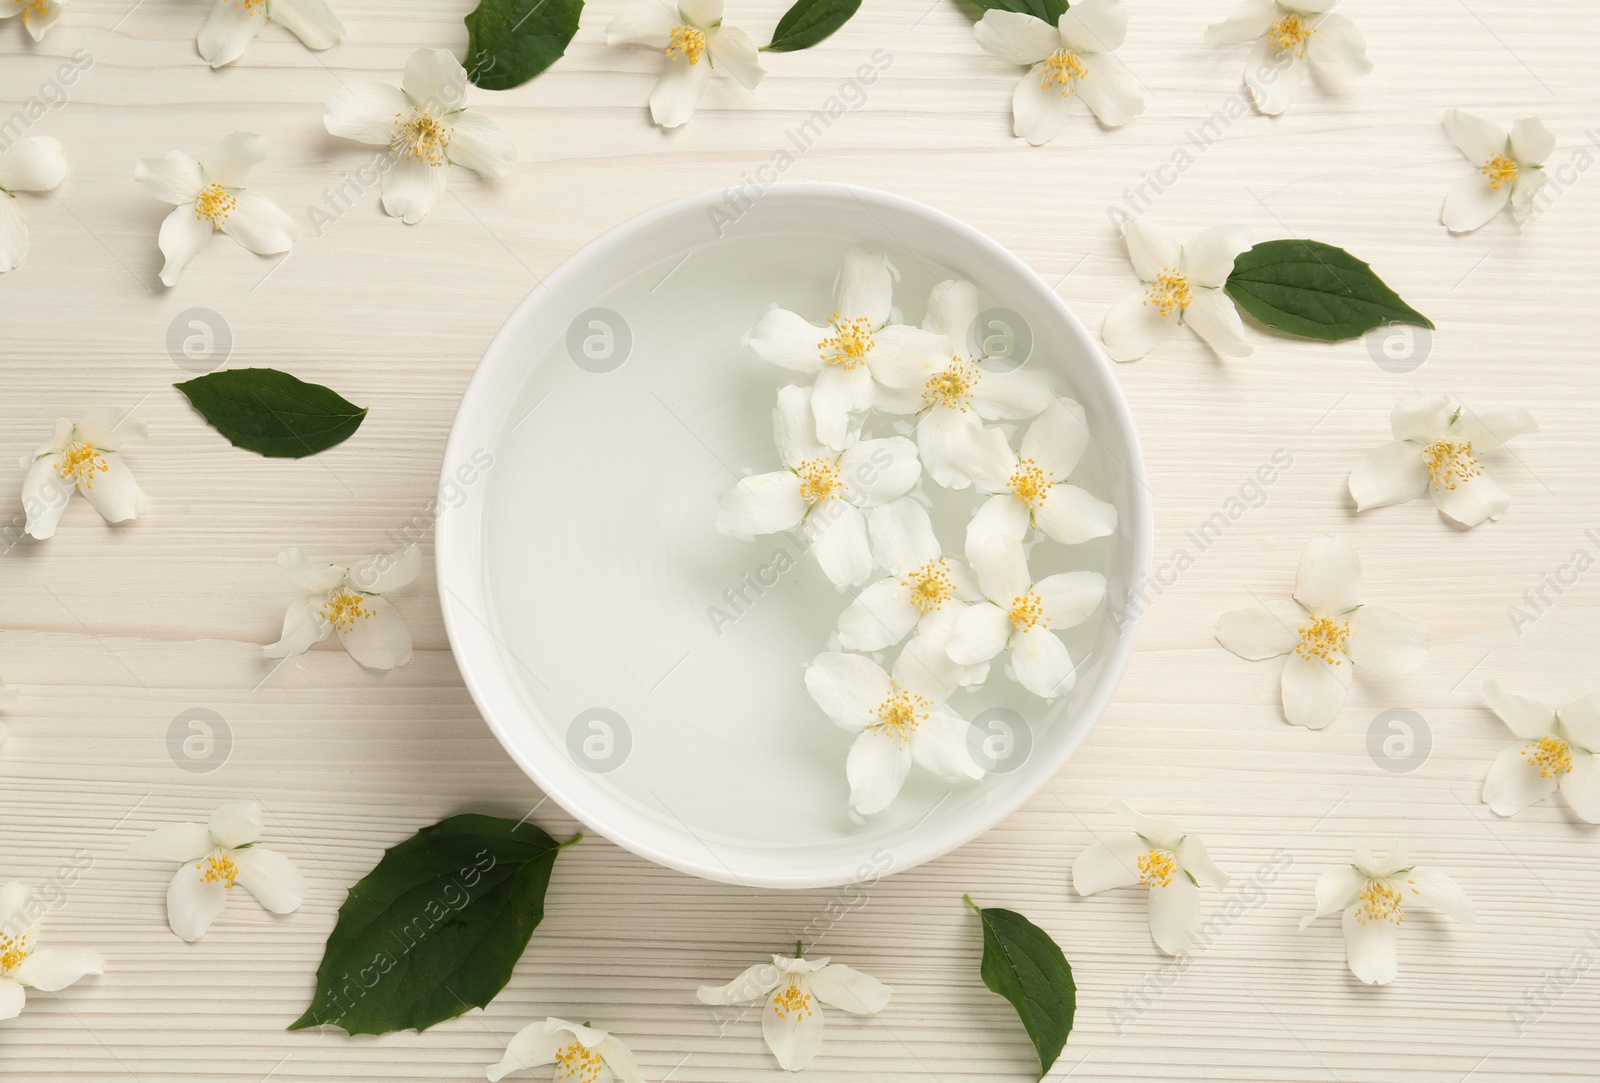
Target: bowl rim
459,573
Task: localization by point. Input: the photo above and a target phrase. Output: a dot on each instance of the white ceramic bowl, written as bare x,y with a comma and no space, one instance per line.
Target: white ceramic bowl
580,572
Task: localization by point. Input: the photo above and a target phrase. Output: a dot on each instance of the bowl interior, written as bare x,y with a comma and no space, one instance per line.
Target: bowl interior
646,670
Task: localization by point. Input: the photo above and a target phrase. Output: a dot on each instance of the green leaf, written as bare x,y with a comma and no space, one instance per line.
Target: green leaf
1315,290
511,41
1048,10
272,413
809,22
435,928
1022,964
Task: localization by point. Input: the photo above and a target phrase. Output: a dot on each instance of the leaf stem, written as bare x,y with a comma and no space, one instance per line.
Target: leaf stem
570,842
799,949
976,909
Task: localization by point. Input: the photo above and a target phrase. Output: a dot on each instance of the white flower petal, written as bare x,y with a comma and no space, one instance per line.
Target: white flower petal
1337,888
12,998
702,13
114,492
1472,201
1422,418
1262,631
1209,257
866,287
787,339
192,904
312,21
905,357
51,969
174,842
756,982
942,438
620,1059
411,187
367,112
1162,834
1313,690
876,769
236,823
1072,516
14,898
1515,783
1108,88
173,178
1134,327
1273,78
13,234
1492,426
260,225
848,687
272,878
647,23
677,90
1041,662
1002,569
734,52
1382,643
1581,787
762,504
1070,597
228,31
848,990
383,573
33,164
988,458
1527,718
1012,395
1370,948
435,79
1472,500
230,161
380,641
940,745
1437,891
953,308
980,633
1392,474
1193,857
1580,721
1055,440
1039,110
1211,315
1337,48
840,543
1094,26
878,471
1329,577
110,427
902,536
1002,516
531,1047
183,235
481,145
1109,864
1016,37
302,626
838,399
45,497
1476,138
1174,914
1249,21
1531,141
925,668
881,616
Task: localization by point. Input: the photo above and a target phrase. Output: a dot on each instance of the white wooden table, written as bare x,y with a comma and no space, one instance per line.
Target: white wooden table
111,633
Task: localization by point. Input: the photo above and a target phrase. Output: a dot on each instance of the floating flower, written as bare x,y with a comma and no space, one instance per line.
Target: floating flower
967,391
898,720
794,990
1557,751
694,39
37,15
1023,617
1067,63
1172,864
23,964
1032,489
922,586
1435,450
1182,284
857,348
823,489
580,1053
1326,632
1290,37
217,857
209,196
1508,169
83,456
427,127
348,602
31,164
234,24
1374,893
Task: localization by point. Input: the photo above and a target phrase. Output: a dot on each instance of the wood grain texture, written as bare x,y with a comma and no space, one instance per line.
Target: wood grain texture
112,632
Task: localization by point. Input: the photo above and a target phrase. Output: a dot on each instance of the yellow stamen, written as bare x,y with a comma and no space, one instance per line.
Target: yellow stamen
251,6
80,463
1156,868
1551,755
1500,170
1061,70
1325,639
1027,612
930,586
421,138
792,1002
819,479
343,608
218,869
575,1063
1290,34
31,8
13,949
1029,483
687,42
1450,463
1170,292
1380,901
902,712
952,388
214,204
848,348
